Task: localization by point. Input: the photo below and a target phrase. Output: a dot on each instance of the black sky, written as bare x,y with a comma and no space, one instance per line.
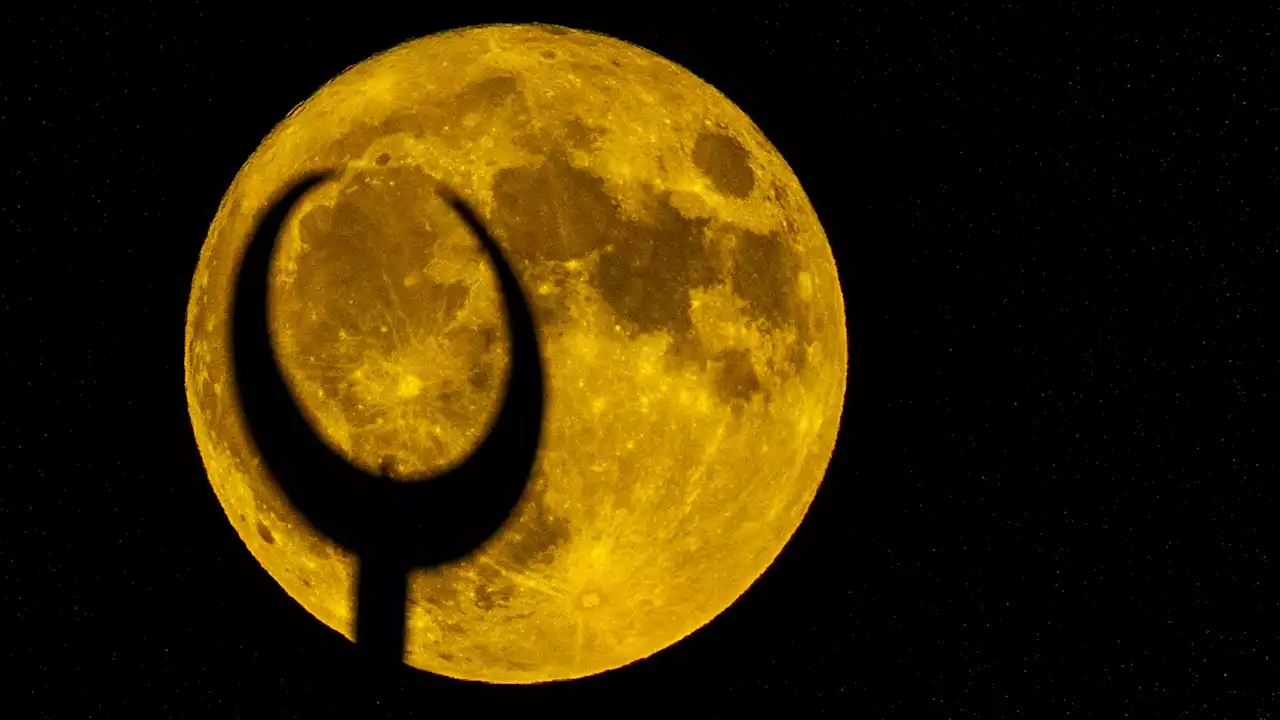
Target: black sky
1055,487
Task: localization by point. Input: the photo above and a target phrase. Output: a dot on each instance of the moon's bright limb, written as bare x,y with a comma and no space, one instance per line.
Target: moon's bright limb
688,310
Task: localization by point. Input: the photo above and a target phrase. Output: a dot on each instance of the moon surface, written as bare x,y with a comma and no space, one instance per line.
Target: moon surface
689,316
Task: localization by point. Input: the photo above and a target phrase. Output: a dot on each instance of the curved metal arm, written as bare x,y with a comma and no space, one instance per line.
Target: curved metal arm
392,526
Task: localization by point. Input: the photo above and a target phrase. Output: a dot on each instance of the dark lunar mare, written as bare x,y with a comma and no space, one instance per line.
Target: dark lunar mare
391,526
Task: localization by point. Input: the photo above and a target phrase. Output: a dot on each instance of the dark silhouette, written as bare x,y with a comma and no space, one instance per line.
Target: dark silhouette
392,526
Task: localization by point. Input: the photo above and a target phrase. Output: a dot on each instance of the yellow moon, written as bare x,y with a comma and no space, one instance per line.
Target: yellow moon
689,317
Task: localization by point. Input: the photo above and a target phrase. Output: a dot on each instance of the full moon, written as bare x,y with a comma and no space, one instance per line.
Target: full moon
688,312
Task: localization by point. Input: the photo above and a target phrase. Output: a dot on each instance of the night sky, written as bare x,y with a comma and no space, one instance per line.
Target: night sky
1055,488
